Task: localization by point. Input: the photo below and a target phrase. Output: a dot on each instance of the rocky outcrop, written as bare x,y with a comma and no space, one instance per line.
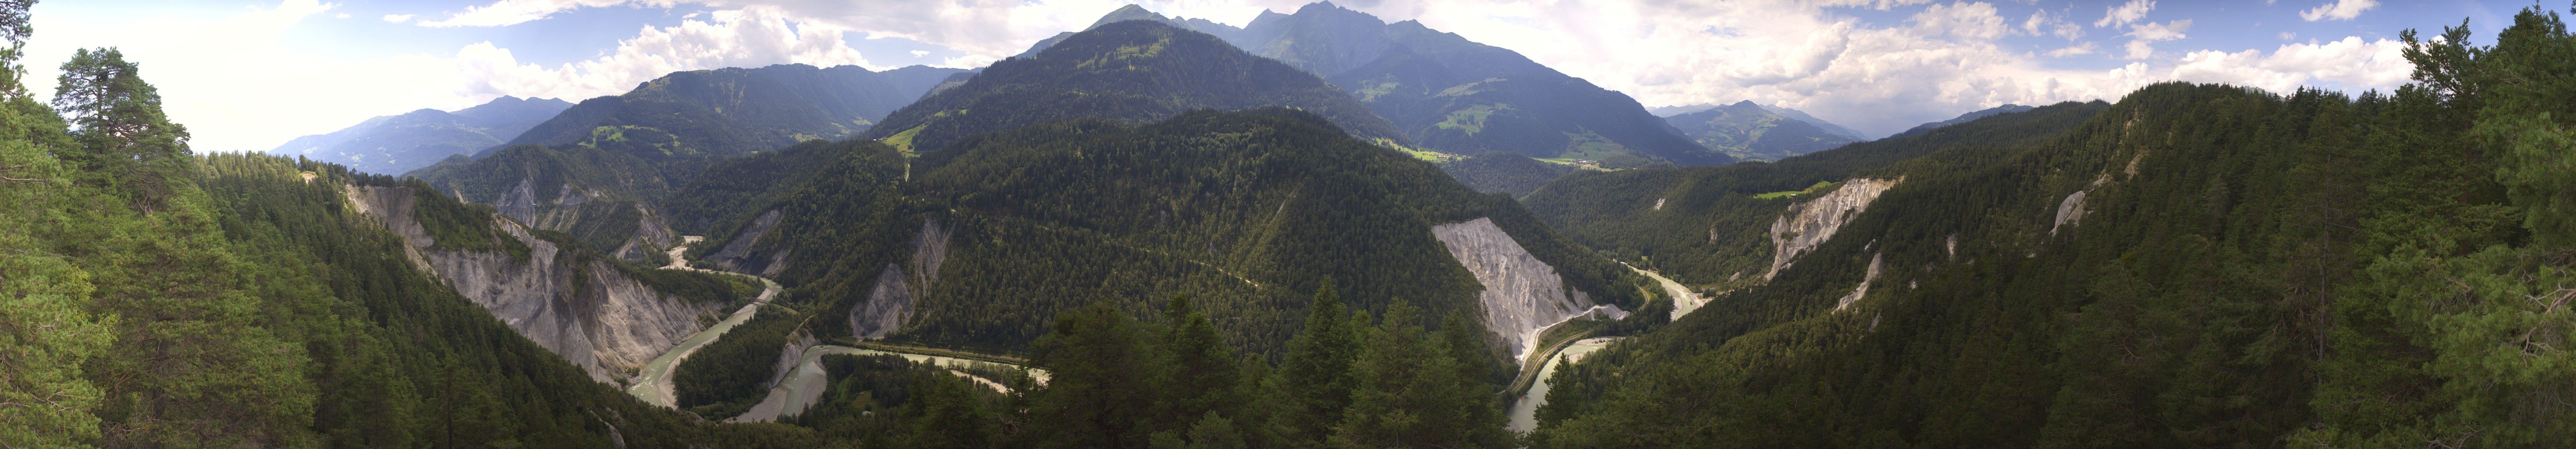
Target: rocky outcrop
739,256
890,303
2068,211
584,310
518,203
1522,295
1805,225
789,356
1863,290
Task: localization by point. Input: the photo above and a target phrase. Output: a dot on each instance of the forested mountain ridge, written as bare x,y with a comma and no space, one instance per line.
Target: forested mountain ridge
396,144
1709,226
599,170
1450,94
1752,132
1250,212
736,110
157,298
2198,265
1459,96
1962,118
1137,70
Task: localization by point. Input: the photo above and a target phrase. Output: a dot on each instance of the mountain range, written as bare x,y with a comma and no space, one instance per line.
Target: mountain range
1171,233
1963,118
1830,127
1753,132
401,143
1452,95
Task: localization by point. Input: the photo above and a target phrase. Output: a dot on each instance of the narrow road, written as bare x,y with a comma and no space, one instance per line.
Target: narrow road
803,386
800,387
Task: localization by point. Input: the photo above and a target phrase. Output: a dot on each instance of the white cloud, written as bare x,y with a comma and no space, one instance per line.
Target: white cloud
512,12
1962,20
203,65
2147,34
748,37
2125,14
2339,10
2040,23
919,53
2350,61
2072,50
398,18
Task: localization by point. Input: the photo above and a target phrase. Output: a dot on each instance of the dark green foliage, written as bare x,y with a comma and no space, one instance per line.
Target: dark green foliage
1316,369
1096,356
125,142
732,373
1710,229
1132,71
2248,270
1410,391
734,190
1504,172
1963,118
1248,209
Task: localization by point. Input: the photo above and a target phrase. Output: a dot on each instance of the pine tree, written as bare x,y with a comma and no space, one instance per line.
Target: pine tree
1100,392
1199,374
1316,370
1411,393
124,137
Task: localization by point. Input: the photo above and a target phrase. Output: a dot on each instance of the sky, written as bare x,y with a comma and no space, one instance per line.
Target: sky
248,75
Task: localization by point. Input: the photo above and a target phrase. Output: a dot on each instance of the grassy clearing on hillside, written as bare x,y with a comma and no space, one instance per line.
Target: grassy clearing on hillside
1821,186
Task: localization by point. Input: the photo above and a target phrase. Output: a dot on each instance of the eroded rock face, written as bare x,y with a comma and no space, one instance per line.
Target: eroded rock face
586,311
1865,280
891,302
736,256
1522,295
1805,225
2068,211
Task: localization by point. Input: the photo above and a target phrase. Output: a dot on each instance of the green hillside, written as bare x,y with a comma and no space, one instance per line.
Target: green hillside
1708,226
1136,70
2196,266
1251,212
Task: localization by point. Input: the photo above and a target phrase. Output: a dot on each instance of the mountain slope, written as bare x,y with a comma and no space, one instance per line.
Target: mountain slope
1749,131
2196,266
396,144
1829,127
735,110
1707,226
1249,211
1463,97
1135,70
1962,118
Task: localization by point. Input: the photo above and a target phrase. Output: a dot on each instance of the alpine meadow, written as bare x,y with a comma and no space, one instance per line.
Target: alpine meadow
1426,224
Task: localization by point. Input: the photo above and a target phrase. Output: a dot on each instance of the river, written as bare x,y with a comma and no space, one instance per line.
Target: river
1524,411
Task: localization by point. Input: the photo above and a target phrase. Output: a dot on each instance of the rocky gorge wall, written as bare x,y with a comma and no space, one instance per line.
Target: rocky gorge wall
1807,224
586,311
1522,295
890,303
